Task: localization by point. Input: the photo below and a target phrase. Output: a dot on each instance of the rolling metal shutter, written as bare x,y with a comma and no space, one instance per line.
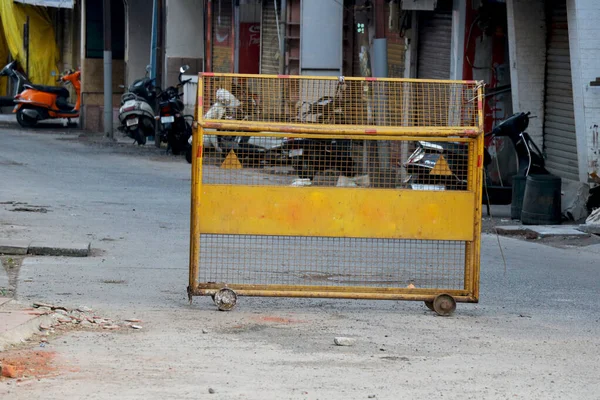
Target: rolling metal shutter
434,44
560,144
269,62
396,48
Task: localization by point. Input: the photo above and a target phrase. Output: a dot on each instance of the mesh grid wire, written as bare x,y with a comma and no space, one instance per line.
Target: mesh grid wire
311,160
351,101
384,164
320,261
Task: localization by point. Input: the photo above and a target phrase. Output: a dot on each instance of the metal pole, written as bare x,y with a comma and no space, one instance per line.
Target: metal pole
108,117
283,30
380,70
154,39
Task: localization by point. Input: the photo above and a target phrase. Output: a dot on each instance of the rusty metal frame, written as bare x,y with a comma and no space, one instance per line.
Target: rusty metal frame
474,135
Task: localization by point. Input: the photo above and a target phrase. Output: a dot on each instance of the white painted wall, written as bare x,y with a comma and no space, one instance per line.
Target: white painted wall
138,35
185,28
184,34
584,41
527,49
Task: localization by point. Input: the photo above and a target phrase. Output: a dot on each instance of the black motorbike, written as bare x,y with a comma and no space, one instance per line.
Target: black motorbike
174,129
444,165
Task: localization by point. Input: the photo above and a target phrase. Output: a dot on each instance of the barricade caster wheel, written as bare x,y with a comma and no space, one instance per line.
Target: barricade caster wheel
429,304
225,299
444,305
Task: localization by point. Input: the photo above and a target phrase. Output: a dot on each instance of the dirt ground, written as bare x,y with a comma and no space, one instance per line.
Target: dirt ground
533,335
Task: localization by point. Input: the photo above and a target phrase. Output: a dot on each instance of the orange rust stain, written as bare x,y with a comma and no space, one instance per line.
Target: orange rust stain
30,363
278,320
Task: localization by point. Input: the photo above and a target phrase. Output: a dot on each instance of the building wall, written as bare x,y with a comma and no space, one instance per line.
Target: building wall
184,38
92,77
584,34
527,49
321,38
138,35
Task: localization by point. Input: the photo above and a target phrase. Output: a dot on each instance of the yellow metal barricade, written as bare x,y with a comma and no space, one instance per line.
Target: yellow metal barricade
336,187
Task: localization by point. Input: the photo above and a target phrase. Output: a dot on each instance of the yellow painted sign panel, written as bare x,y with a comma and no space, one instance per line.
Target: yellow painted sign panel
337,212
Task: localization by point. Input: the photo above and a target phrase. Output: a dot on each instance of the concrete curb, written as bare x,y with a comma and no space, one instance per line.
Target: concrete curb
39,248
513,230
19,331
593,229
14,247
542,231
57,249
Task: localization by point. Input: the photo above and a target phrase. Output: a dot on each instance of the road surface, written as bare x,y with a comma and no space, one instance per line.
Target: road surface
534,335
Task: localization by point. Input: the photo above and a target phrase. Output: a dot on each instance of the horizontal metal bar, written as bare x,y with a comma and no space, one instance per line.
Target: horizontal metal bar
427,131
341,295
327,136
333,289
335,78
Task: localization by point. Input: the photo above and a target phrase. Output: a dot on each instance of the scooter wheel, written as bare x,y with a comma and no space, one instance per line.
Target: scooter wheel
24,120
140,137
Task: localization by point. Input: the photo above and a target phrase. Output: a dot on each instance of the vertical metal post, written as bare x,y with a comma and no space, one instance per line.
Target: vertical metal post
154,39
283,30
380,70
208,36
108,117
236,42
233,36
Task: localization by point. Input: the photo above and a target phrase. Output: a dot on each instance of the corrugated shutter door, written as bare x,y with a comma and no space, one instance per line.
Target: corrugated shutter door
434,44
221,35
560,144
269,64
396,48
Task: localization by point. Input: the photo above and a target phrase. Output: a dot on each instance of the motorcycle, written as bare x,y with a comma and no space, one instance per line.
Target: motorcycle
174,129
444,166
37,102
229,106
311,156
136,114
19,80
307,156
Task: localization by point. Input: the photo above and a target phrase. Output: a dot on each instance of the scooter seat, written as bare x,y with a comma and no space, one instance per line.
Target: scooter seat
57,90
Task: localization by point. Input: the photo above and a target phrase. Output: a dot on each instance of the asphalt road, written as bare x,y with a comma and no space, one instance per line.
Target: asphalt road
534,335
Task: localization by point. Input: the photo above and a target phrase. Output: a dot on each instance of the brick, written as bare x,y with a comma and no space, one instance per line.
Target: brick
8,371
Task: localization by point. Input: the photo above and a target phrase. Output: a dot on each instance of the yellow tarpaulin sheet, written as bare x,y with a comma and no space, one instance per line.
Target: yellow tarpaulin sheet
43,52
3,59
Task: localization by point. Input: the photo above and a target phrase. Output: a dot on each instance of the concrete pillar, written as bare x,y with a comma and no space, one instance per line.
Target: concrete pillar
527,49
138,34
584,34
184,38
459,14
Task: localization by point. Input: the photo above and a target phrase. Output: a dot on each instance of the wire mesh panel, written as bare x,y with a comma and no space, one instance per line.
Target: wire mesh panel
386,208
323,261
310,159
289,103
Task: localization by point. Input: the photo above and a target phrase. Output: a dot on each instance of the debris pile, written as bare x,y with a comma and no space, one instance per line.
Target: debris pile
81,317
